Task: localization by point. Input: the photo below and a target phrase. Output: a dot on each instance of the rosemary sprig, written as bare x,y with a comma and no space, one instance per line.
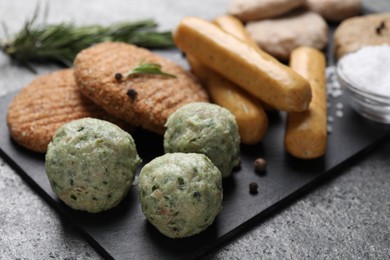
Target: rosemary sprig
61,42
148,68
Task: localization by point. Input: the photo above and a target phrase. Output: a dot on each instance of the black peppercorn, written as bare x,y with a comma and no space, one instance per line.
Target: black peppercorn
132,93
253,188
260,164
380,28
118,76
238,166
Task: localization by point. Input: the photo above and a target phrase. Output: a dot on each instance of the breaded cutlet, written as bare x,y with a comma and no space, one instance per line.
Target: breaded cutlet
142,100
41,107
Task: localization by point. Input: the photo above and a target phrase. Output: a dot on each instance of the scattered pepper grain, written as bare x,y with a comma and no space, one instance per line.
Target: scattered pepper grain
380,28
132,93
118,76
238,166
260,164
253,188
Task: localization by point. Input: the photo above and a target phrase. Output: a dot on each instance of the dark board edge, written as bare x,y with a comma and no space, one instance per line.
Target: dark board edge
293,197
55,205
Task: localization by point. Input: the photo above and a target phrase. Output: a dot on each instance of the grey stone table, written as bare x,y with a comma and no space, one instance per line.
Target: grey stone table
347,217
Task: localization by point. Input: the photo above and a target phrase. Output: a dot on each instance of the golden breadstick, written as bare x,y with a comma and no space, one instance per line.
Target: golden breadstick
234,27
306,133
257,72
251,118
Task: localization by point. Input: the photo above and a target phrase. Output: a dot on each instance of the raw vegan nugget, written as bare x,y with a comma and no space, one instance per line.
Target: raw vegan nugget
91,164
180,194
204,128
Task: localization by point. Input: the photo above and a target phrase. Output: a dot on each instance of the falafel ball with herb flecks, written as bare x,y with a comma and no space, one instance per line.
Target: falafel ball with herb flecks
91,164
180,193
206,128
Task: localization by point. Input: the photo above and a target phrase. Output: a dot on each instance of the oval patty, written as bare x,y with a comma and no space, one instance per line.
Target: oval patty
49,101
142,100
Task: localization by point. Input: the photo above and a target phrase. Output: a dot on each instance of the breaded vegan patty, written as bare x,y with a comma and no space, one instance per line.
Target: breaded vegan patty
40,108
142,100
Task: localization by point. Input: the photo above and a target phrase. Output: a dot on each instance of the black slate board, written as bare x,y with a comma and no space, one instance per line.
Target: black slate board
123,232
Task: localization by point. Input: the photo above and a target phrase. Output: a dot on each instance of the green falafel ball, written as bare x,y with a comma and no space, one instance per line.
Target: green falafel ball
205,128
90,164
180,193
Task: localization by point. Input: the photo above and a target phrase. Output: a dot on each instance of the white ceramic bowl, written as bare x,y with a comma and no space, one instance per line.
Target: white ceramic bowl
371,105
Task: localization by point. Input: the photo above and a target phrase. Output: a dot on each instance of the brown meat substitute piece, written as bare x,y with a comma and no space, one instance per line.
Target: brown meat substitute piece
335,10
252,10
40,108
357,32
280,36
143,100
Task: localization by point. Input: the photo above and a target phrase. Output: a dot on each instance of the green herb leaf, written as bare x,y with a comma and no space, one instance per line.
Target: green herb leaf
148,68
62,42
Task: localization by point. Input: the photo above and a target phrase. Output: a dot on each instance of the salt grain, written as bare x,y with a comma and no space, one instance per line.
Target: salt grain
336,93
368,68
329,72
329,129
336,84
339,113
339,106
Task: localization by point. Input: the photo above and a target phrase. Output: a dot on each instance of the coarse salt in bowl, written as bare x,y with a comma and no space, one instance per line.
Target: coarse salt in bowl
365,77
